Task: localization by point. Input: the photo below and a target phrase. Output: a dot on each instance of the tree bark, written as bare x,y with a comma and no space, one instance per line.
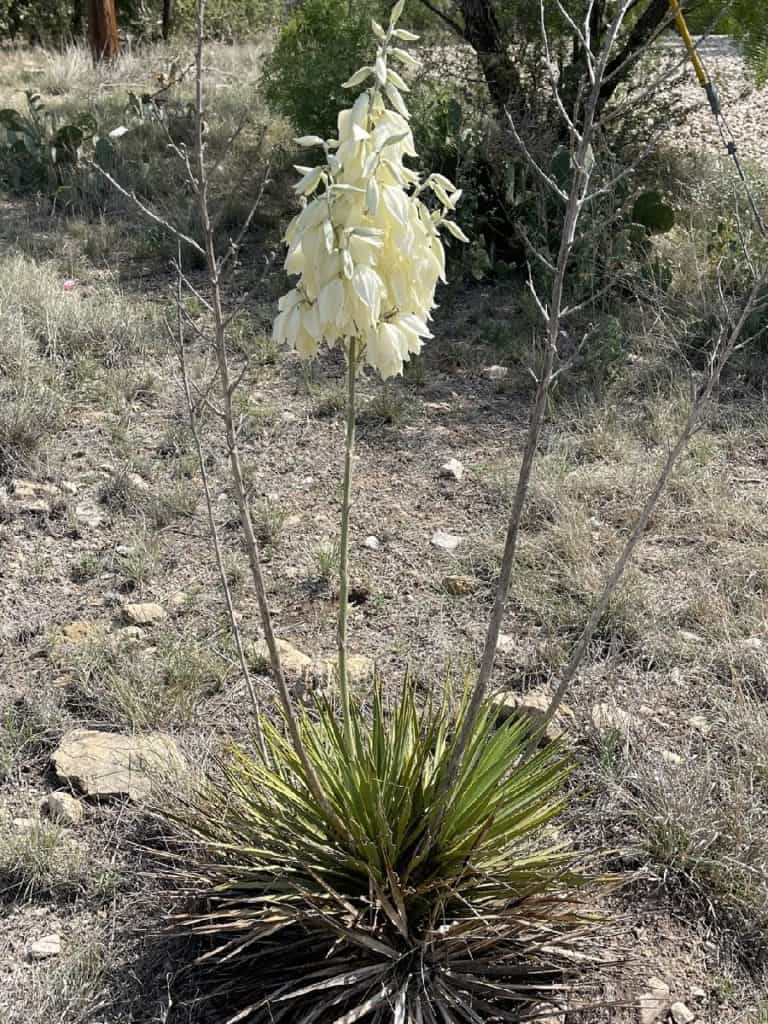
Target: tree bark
483,33
169,13
482,30
102,30
644,30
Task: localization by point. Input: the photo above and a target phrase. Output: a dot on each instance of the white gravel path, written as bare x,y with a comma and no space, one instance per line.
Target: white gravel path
744,106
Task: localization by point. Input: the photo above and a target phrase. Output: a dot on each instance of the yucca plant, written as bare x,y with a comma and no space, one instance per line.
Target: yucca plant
426,907
371,863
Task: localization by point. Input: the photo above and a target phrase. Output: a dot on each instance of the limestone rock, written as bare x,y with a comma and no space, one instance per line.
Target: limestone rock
359,668
77,632
445,541
654,1002
533,706
671,759
144,614
106,764
294,661
452,470
47,946
681,1014
459,586
372,543
62,808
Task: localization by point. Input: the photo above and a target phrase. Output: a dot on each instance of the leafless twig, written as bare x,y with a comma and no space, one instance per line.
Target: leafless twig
178,338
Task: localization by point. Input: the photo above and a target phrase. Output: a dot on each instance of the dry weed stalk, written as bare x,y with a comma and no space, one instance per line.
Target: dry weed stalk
216,264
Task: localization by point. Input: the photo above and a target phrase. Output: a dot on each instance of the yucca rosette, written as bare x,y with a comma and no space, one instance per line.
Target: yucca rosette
365,247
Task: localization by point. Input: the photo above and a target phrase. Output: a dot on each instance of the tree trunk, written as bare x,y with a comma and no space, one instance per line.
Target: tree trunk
169,11
102,30
481,29
645,29
483,33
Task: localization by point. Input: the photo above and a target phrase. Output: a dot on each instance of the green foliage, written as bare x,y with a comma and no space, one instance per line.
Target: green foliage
37,151
656,216
320,46
37,21
395,901
229,19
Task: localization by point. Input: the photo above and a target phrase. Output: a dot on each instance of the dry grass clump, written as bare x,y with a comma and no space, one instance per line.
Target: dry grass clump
30,409
64,322
27,731
77,988
118,682
39,860
695,826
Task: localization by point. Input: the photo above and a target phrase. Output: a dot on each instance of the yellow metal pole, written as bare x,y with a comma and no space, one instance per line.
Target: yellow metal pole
698,67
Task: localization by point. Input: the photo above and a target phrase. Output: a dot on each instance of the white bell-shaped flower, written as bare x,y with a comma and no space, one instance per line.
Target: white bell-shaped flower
365,248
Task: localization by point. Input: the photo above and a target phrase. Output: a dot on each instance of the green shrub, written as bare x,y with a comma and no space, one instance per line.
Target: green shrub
229,19
36,21
38,153
321,45
373,907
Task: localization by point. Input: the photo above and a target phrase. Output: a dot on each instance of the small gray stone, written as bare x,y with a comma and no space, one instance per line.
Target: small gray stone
452,470
681,1014
47,946
372,543
671,759
62,808
445,541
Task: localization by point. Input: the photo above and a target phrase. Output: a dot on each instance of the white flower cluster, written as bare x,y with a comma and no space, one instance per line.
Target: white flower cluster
366,248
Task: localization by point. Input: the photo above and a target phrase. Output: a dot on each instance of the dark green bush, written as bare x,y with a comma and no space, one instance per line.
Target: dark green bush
38,21
320,46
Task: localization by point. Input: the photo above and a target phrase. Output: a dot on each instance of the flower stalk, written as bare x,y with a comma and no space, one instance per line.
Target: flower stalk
346,510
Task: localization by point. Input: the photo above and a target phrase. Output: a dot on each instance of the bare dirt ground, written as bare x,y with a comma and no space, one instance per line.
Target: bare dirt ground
668,721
